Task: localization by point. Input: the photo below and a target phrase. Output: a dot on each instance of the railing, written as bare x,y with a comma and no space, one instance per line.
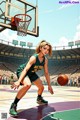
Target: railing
33,47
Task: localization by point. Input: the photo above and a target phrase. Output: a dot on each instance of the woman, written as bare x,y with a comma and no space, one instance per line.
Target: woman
36,62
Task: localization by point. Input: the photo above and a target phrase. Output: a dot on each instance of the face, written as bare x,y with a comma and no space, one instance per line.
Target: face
45,50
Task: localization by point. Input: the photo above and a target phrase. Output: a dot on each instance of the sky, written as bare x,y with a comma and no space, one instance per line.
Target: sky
59,23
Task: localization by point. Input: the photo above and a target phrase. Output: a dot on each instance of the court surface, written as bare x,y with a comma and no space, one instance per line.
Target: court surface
63,105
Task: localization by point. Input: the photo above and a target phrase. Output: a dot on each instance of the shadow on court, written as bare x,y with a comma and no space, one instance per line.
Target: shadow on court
50,110
35,113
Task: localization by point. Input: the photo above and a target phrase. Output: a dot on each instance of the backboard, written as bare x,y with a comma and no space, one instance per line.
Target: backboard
9,8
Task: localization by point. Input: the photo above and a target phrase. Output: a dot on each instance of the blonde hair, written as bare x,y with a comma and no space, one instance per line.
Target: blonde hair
42,44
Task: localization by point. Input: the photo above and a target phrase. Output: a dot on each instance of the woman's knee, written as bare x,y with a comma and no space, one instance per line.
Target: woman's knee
27,86
41,87
27,83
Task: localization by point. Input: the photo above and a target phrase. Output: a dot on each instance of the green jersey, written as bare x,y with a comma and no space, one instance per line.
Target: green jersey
33,69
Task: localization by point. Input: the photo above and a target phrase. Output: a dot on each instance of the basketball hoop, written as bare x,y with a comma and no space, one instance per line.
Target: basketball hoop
22,22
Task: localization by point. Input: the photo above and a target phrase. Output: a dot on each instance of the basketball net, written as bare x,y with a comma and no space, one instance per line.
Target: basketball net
22,22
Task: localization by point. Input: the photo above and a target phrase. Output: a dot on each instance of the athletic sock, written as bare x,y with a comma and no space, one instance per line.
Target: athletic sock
16,100
39,96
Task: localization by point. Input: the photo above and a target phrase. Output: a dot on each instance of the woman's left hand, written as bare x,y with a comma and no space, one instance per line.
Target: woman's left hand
50,89
15,85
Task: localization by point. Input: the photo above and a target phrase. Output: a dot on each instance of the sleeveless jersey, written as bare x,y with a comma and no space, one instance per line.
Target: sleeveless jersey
34,68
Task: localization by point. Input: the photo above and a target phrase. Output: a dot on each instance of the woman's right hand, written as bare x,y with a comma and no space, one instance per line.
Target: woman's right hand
15,85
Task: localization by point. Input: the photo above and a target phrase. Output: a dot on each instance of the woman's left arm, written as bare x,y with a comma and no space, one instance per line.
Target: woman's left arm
47,76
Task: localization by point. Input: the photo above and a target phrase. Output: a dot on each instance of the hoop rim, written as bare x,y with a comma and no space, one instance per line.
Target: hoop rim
30,18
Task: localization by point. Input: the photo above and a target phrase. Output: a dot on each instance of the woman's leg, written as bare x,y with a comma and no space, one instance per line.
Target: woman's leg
26,84
40,87
25,87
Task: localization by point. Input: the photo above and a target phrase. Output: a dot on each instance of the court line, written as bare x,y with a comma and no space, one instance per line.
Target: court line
60,112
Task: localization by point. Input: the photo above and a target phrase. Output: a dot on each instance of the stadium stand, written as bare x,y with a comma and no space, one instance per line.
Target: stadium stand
66,61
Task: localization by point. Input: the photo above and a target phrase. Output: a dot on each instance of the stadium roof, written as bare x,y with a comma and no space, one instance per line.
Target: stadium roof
72,53
13,50
20,52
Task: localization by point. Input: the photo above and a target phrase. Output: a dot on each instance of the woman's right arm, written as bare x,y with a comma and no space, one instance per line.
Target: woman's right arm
24,72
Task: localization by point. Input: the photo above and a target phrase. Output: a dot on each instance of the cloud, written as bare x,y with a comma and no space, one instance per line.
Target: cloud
63,41
76,36
64,6
7,35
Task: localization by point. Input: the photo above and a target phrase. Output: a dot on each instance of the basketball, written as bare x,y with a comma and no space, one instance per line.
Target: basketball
62,79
